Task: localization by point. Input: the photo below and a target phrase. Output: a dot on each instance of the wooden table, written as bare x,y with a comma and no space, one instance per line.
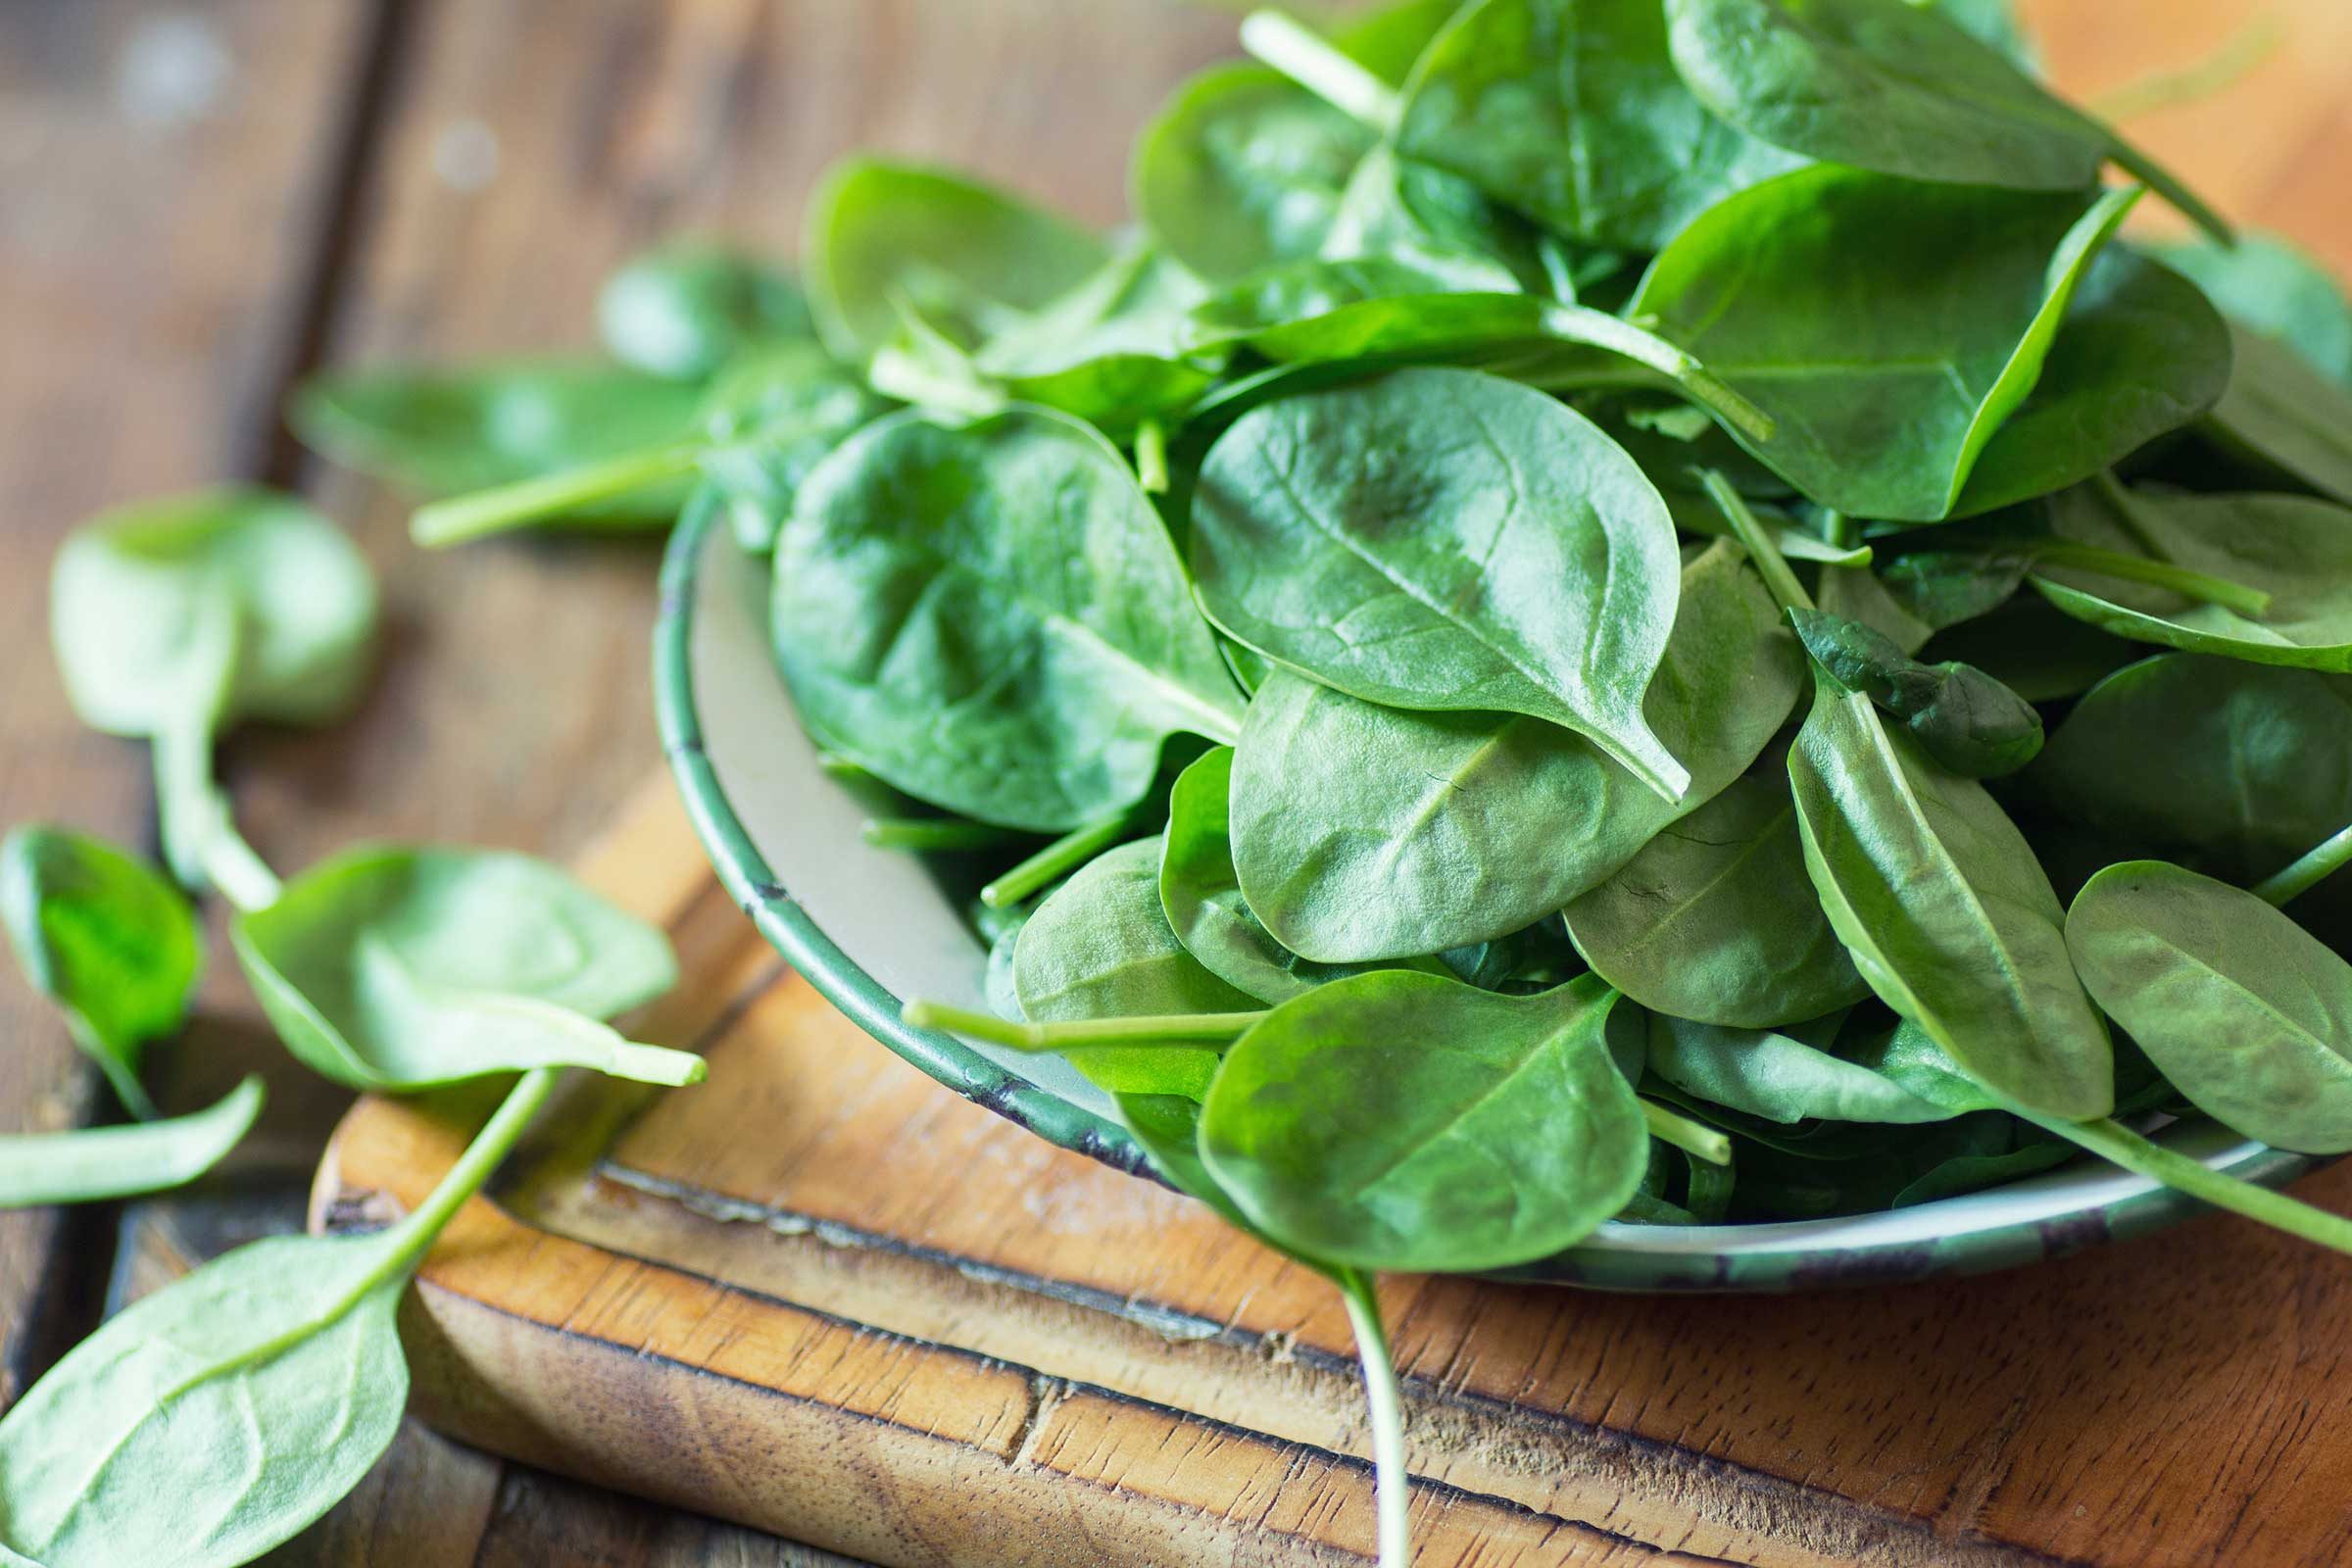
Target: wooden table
200,202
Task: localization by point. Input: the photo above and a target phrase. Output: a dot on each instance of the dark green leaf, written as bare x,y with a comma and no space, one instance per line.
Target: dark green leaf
1963,719
2276,289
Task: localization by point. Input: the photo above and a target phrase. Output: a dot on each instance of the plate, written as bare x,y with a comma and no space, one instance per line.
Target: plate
869,926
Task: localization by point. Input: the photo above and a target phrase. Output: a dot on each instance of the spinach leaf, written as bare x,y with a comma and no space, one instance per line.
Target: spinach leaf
1363,832
2034,649
2275,289
2242,767
1898,88
2245,1012
1341,1133
1571,111
1443,226
1962,718
685,309
397,969
769,421
1100,946
206,1423
1963,289
990,616
173,619
1777,1076
1438,539
446,432
1713,920
2284,416
102,1162
884,239
1113,351
108,940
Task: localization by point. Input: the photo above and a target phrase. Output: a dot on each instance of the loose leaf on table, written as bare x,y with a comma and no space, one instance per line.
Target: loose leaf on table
2241,766
2294,550
1438,539
1571,111
104,1163
769,421
1100,946
1963,719
398,969
208,1423
1774,1074
445,433
683,310
2245,1011
1714,919
105,937
1898,88
886,238
990,616
1342,1132
1963,290
1115,350
1362,832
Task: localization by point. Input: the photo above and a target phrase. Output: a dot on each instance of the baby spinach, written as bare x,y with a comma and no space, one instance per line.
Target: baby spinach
771,419
1113,351
1100,946
2284,417
398,969
1443,540
887,239
2278,290
1899,88
1571,111
102,1162
1962,718
206,1423
990,616
1364,833
173,619
1714,920
1337,1129
1778,1076
111,942
683,310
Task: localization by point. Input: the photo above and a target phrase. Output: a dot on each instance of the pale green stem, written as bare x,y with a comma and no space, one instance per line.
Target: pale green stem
1187,1031
200,836
1753,537
2163,574
932,833
896,373
1385,1403
2240,53
2121,1145
1692,1138
462,519
1581,324
1314,63
1057,859
242,876
490,1146
2326,860
1152,457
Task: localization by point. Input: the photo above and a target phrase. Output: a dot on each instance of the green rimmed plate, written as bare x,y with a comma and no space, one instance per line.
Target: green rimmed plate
868,926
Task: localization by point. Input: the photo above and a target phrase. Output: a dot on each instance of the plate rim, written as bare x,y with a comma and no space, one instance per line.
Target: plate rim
1683,1261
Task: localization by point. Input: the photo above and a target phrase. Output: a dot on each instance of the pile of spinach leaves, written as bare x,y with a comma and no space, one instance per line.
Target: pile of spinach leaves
1624,611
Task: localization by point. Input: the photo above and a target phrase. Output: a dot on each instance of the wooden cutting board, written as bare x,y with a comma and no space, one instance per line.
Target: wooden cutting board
822,1295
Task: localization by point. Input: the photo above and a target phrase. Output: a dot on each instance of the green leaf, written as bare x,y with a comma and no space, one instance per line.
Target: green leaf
1113,351
1339,1132
684,309
1947,914
1898,88
885,238
2246,1013
1443,226
1713,920
398,969
2282,415
1100,946
771,419
104,1163
1438,539
1887,328
990,616
1363,832
1773,1075
1571,112
105,937
2037,650
445,433
2274,288
1962,718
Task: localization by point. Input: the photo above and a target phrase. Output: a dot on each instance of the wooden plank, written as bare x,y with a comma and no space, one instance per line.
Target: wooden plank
165,173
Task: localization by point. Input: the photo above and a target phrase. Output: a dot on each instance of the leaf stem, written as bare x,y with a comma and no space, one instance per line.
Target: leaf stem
1152,457
2160,179
2217,73
243,877
1581,324
1770,563
1692,1138
463,1179
2119,1144
460,519
1057,859
1316,63
932,833
2163,574
1189,1030
199,832
2322,861
1385,1403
